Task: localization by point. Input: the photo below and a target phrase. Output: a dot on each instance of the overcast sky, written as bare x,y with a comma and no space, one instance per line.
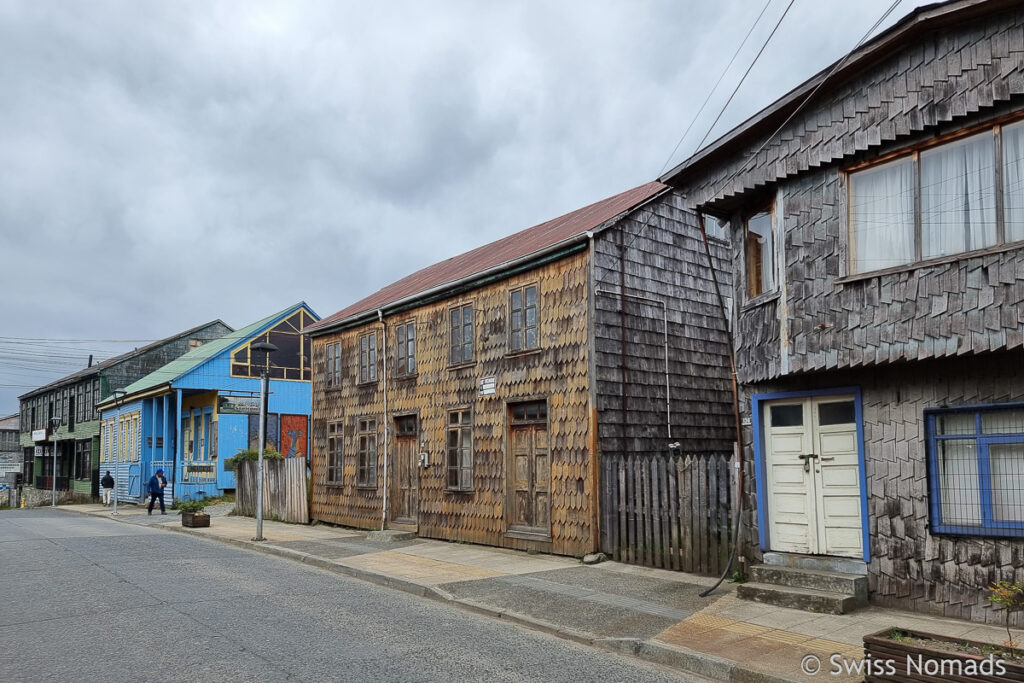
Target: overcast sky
163,164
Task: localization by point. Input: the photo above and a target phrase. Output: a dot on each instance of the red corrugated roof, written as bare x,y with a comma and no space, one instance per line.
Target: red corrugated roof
505,250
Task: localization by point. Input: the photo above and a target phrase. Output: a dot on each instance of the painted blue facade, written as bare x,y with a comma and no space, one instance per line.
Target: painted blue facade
171,419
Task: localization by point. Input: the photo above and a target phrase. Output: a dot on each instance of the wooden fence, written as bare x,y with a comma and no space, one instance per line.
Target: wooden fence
673,512
284,490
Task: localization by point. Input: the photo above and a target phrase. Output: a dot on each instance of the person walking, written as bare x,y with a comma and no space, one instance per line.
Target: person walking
156,490
107,482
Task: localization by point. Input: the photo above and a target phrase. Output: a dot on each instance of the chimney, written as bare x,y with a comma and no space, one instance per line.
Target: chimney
90,361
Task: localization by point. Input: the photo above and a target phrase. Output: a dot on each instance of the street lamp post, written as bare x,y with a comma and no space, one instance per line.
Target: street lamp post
54,426
267,348
119,395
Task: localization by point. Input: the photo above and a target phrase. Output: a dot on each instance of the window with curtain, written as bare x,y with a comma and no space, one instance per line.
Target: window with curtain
958,197
939,202
1013,181
882,208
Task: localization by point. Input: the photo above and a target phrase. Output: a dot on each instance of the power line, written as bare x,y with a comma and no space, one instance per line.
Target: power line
810,95
745,74
714,88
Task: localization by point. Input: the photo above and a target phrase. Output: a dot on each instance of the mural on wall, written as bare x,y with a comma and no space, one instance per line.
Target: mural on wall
254,431
293,436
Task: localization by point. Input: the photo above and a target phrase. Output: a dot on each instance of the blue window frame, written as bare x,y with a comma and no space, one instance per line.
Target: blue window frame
976,470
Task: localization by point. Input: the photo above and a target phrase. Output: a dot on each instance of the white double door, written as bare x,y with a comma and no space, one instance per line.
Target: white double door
813,476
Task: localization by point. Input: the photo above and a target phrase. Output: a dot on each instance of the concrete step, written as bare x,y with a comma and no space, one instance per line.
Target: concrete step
806,599
829,582
825,563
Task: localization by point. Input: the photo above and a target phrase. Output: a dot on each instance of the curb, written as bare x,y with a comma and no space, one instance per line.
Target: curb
652,651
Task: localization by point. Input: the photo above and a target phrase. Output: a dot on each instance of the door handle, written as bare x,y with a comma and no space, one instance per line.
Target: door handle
807,457
827,457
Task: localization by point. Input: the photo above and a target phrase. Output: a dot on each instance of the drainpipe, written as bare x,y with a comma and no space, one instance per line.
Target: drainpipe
384,370
735,408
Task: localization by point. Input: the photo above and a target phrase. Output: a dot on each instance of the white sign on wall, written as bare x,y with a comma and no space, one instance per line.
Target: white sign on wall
488,385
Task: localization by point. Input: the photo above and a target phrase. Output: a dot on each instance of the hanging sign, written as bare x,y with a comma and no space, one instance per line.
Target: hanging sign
39,435
235,405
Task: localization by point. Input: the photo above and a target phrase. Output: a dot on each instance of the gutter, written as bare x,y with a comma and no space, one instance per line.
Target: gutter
556,251
148,393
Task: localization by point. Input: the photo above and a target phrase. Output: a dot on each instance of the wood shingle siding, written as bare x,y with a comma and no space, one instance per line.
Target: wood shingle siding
665,262
556,372
944,76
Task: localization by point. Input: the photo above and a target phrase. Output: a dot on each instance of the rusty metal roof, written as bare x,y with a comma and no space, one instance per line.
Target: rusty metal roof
496,254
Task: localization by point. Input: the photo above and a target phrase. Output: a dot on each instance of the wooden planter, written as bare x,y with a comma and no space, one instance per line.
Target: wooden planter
195,520
912,661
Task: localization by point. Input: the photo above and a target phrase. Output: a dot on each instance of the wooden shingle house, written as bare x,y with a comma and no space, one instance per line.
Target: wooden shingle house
195,412
473,399
877,217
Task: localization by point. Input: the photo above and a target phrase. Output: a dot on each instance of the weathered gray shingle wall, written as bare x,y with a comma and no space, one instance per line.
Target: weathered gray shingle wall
665,261
133,369
948,75
910,567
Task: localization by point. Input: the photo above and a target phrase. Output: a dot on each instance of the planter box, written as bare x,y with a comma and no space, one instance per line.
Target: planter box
195,519
918,661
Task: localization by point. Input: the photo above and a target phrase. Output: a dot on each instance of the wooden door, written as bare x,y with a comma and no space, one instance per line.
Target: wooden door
530,470
405,489
813,476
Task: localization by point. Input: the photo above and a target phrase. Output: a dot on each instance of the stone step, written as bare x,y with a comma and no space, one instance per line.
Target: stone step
830,582
825,563
806,599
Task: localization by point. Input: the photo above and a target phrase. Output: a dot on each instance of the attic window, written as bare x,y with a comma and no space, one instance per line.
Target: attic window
194,343
759,236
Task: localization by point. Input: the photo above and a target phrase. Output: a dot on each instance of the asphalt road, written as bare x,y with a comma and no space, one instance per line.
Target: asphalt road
85,599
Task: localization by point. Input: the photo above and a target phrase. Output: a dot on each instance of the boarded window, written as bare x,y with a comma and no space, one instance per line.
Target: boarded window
335,453
460,335
459,458
368,357
405,342
366,457
523,318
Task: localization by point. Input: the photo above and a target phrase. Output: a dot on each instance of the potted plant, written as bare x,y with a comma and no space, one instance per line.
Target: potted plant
192,514
904,655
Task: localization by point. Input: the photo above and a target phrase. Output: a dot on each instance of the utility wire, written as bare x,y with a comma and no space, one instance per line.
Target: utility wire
745,74
809,95
714,88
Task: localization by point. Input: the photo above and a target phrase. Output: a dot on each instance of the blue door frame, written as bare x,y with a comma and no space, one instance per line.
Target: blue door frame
760,472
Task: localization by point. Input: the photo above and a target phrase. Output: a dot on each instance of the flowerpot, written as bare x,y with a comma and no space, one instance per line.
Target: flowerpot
195,519
919,656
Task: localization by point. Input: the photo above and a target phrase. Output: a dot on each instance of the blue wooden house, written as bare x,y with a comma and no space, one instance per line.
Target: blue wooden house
190,415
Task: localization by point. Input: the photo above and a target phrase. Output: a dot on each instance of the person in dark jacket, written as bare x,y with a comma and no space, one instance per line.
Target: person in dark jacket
107,482
156,490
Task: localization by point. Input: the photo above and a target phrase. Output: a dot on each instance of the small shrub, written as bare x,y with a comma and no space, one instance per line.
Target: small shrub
269,453
193,506
1010,596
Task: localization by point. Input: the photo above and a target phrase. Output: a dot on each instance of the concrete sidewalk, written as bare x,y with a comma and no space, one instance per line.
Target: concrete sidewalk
653,614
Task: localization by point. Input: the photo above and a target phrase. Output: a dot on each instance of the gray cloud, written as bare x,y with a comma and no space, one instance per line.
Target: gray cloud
163,164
